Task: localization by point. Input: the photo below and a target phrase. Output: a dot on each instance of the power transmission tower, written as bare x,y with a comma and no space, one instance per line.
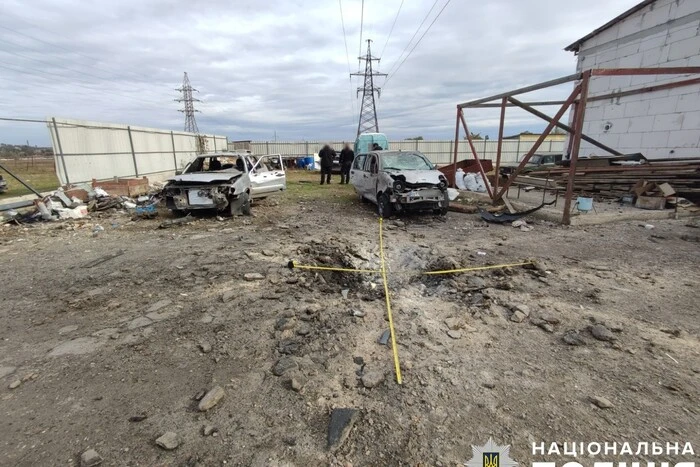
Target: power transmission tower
368,109
186,90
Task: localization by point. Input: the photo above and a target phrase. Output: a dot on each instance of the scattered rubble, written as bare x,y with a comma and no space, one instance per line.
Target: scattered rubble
211,399
601,402
168,441
90,458
341,423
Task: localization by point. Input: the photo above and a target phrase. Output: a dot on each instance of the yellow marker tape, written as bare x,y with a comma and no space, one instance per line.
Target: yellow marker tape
478,268
388,306
294,265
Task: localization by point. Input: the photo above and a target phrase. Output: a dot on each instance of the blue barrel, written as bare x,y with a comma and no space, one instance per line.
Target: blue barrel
309,162
301,162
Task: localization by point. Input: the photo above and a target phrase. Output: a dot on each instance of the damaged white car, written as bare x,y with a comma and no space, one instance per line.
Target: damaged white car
396,181
225,182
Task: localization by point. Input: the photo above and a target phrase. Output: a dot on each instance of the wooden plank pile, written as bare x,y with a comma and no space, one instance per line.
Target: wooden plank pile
615,181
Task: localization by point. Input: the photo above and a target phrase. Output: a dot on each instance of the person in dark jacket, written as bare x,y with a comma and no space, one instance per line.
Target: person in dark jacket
346,157
327,156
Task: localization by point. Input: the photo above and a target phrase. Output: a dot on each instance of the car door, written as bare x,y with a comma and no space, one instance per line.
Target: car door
370,177
356,171
267,176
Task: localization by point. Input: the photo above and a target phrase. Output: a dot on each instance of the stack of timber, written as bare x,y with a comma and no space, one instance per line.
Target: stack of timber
617,180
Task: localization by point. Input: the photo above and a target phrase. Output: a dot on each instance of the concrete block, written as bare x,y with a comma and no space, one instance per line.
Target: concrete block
691,120
599,85
606,55
679,152
609,139
638,108
614,111
641,124
682,32
668,122
631,142
656,16
643,80
651,57
685,48
655,41
662,105
680,8
627,49
632,24
631,61
593,113
655,139
684,138
688,102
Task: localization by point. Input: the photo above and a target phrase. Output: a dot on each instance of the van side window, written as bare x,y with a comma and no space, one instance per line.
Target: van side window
359,163
373,165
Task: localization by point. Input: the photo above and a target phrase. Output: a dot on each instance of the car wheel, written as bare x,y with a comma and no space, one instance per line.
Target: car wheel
384,208
445,205
240,205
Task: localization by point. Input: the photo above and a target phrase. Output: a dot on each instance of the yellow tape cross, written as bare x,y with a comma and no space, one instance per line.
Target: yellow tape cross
394,349
382,271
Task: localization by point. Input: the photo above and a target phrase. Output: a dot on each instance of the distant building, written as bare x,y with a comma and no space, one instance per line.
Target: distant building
659,124
532,137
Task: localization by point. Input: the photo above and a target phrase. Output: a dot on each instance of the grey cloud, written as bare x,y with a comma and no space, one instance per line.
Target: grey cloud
279,66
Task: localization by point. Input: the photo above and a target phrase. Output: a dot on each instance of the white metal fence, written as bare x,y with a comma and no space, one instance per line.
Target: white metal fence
86,150
438,151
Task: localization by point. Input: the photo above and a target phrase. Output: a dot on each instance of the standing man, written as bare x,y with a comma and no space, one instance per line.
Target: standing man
346,157
327,156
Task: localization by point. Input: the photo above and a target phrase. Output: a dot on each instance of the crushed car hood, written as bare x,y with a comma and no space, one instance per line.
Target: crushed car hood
208,177
418,176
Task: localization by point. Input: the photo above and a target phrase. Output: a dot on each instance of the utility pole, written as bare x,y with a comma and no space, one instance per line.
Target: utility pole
186,90
368,109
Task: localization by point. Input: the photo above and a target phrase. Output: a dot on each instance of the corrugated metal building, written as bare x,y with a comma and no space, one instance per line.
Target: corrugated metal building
659,124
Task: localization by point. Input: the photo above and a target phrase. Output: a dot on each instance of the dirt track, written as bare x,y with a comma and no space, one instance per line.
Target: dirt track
88,361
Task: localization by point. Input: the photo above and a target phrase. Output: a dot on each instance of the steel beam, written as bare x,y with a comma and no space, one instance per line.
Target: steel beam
578,132
498,105
681,70
534,87
539,141
454,159
504,101
20,180
563,127
476,156
658,87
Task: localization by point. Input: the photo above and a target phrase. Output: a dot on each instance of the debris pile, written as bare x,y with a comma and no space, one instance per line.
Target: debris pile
630,181
77,202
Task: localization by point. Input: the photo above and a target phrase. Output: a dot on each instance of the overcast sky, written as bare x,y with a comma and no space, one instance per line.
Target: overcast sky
279,67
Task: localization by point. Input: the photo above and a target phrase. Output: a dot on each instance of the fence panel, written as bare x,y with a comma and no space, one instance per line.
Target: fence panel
438,151
102,151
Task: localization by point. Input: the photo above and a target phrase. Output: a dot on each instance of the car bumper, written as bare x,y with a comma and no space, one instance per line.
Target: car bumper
190,198
419,196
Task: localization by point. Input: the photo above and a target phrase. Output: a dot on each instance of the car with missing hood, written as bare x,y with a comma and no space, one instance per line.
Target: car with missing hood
399,180
226,182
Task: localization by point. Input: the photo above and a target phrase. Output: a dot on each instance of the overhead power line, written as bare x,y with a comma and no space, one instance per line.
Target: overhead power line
419,41
392,29
347,56
414,36
362,19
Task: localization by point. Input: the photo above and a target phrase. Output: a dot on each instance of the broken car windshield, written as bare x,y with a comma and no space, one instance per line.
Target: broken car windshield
405,161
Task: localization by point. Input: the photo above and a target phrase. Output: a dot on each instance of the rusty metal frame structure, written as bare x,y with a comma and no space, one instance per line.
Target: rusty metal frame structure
578,99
